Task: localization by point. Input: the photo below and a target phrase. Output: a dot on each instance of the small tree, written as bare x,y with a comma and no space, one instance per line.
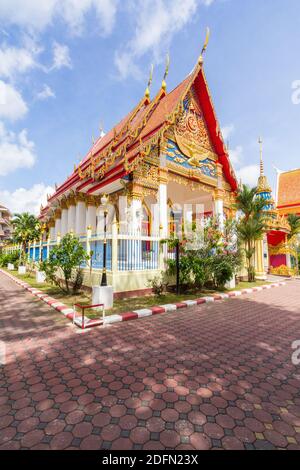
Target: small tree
251,224
66,258
293,237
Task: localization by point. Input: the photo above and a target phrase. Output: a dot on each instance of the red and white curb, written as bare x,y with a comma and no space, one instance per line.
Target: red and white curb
135,314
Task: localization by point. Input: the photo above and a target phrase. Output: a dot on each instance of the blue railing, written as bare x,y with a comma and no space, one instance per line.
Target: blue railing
97,257
133,253
137,255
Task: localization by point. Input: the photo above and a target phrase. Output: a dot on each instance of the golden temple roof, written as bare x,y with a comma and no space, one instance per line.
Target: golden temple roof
288,189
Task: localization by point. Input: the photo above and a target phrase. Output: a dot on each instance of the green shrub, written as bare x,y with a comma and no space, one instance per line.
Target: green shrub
222,271
159,284
65,258
9,258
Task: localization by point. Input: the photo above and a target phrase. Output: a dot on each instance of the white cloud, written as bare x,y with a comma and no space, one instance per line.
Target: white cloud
236,155
16,151
26,200
45,93
249,174
37,15
227,131
12,105
15,60
157,21
61,56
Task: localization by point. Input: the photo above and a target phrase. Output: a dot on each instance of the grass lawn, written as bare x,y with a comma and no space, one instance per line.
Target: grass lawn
124,305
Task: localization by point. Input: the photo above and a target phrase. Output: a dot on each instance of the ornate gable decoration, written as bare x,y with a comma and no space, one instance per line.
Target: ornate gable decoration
188,143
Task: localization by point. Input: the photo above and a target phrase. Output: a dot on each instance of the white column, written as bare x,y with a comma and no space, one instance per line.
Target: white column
64,222
91,217
57,227
52,233
155,220
71,218
80,225
136,216
163,210
219,212
114,232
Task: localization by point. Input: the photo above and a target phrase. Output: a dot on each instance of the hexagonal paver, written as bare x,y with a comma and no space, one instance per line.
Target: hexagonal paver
208,379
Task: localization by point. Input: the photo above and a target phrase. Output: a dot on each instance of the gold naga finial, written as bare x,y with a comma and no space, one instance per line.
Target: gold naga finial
260,141
164,84
147,92
205,45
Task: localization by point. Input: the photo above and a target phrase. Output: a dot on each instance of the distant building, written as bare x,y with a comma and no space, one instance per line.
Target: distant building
288,192
5,227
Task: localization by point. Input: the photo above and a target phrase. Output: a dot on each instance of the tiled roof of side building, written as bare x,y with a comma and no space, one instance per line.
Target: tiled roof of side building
288,188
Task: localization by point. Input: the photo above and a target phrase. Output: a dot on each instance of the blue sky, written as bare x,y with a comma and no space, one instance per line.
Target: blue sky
68,66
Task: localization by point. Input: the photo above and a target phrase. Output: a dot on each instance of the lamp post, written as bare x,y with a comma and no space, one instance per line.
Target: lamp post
104,200
177,257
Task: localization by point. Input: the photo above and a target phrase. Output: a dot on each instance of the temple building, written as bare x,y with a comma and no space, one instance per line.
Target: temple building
5,227
166,153
279,253
288,192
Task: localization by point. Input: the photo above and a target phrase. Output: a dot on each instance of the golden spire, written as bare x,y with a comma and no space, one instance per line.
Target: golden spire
263,184
147,92
260,141
164,84
205,45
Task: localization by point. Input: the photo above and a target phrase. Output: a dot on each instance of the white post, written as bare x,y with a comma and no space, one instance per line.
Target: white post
80,225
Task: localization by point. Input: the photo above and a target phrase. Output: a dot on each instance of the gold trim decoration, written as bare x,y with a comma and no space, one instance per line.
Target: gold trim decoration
282,249
193,185
185,172
278,222
283,270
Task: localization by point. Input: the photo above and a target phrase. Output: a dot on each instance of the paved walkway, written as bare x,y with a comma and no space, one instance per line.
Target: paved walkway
214,376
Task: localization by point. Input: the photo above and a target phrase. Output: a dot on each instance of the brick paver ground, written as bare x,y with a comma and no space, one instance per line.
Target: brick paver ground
213,376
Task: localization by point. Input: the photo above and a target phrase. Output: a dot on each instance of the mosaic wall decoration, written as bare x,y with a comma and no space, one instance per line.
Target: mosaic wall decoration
207,166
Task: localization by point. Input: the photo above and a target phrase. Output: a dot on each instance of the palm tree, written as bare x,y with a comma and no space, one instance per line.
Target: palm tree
26,229
294,221
251,224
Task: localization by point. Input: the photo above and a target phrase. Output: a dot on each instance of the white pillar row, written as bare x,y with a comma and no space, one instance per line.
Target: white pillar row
91,217
71,218
80,223
64,221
